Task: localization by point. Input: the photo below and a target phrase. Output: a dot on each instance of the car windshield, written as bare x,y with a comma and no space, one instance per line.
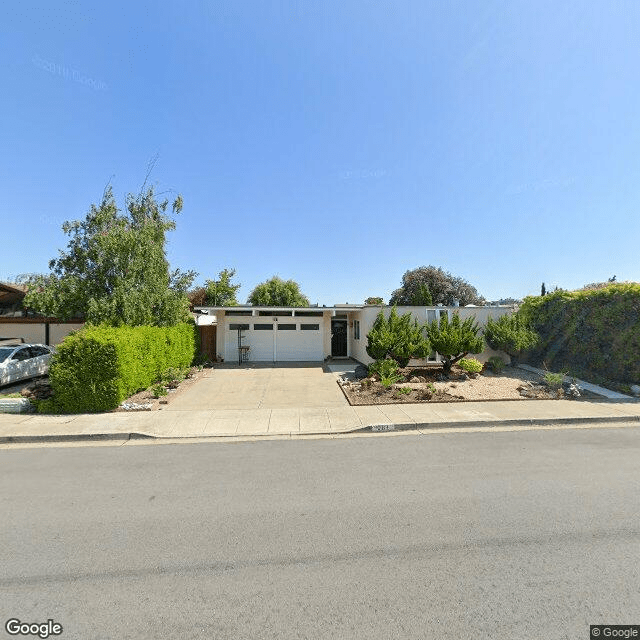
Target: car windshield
5,352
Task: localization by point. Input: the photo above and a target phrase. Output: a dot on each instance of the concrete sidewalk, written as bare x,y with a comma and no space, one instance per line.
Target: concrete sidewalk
310,420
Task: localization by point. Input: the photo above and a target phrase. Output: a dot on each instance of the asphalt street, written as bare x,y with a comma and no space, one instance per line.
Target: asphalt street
529,534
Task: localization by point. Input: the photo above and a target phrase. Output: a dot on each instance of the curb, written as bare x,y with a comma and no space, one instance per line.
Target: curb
75,437
373,428
519,422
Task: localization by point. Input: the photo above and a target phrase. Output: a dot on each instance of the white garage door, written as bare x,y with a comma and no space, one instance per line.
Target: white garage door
288,340
299,341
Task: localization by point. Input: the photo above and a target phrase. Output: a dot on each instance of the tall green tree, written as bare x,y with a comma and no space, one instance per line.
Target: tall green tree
222,292
442,286
454,339
277,292
114,269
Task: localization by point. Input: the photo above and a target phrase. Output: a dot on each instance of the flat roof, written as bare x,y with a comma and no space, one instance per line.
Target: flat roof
354,307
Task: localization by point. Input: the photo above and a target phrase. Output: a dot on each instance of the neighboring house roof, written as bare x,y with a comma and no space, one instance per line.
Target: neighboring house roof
11,297
12,292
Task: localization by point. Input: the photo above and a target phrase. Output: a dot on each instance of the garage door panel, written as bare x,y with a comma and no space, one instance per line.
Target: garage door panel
261,343
299,346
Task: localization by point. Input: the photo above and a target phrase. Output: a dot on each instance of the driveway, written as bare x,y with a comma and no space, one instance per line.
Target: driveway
256,386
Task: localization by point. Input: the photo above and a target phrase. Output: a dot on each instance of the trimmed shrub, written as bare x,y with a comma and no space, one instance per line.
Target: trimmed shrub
98,367
511,334
387,370
470,365
454,339
398,337
593,333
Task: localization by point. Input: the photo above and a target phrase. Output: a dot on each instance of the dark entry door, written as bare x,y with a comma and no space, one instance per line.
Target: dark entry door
339,338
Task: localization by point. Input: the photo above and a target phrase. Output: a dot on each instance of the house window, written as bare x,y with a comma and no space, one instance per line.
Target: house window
356,329
286,327
241,327
309,327
263,327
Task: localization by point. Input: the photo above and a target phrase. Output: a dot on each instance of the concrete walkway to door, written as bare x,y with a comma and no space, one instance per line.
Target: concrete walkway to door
262,386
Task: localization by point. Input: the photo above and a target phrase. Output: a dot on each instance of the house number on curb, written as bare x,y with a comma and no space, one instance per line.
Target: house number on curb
382,427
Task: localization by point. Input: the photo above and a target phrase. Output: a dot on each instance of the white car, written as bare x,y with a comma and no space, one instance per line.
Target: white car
23,361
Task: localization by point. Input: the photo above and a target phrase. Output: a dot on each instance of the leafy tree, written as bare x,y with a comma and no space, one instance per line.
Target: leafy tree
422,297
443,287
197,297
277,292
455,339
511,334
374,300
397,337
115,270
221,292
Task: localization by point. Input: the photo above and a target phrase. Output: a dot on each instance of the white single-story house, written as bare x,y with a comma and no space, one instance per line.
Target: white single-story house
314,334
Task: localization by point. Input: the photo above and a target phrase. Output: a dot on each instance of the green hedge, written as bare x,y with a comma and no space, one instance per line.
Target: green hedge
591,332
98,367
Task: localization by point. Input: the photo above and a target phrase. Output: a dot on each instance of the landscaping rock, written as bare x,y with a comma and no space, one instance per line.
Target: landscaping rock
635,390
573,391
361,372
136,406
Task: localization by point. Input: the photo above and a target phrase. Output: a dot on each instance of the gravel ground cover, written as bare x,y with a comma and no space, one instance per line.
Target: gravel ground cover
429,385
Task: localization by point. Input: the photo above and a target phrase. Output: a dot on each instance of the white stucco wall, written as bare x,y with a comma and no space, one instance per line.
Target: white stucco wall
326,338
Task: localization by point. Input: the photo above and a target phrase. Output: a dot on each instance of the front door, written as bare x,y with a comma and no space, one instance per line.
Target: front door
339,338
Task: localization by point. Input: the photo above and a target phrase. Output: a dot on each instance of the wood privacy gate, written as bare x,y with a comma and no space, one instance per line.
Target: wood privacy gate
208,341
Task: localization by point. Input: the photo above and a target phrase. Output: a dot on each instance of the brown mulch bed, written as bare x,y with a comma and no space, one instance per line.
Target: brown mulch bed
511,384
146,397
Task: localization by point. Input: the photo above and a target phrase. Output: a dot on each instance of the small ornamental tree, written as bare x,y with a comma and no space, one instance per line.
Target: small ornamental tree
277,292
375,300
454,339
398,338
511,334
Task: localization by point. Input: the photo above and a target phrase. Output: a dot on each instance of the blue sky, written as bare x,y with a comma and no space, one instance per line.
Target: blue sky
336,143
